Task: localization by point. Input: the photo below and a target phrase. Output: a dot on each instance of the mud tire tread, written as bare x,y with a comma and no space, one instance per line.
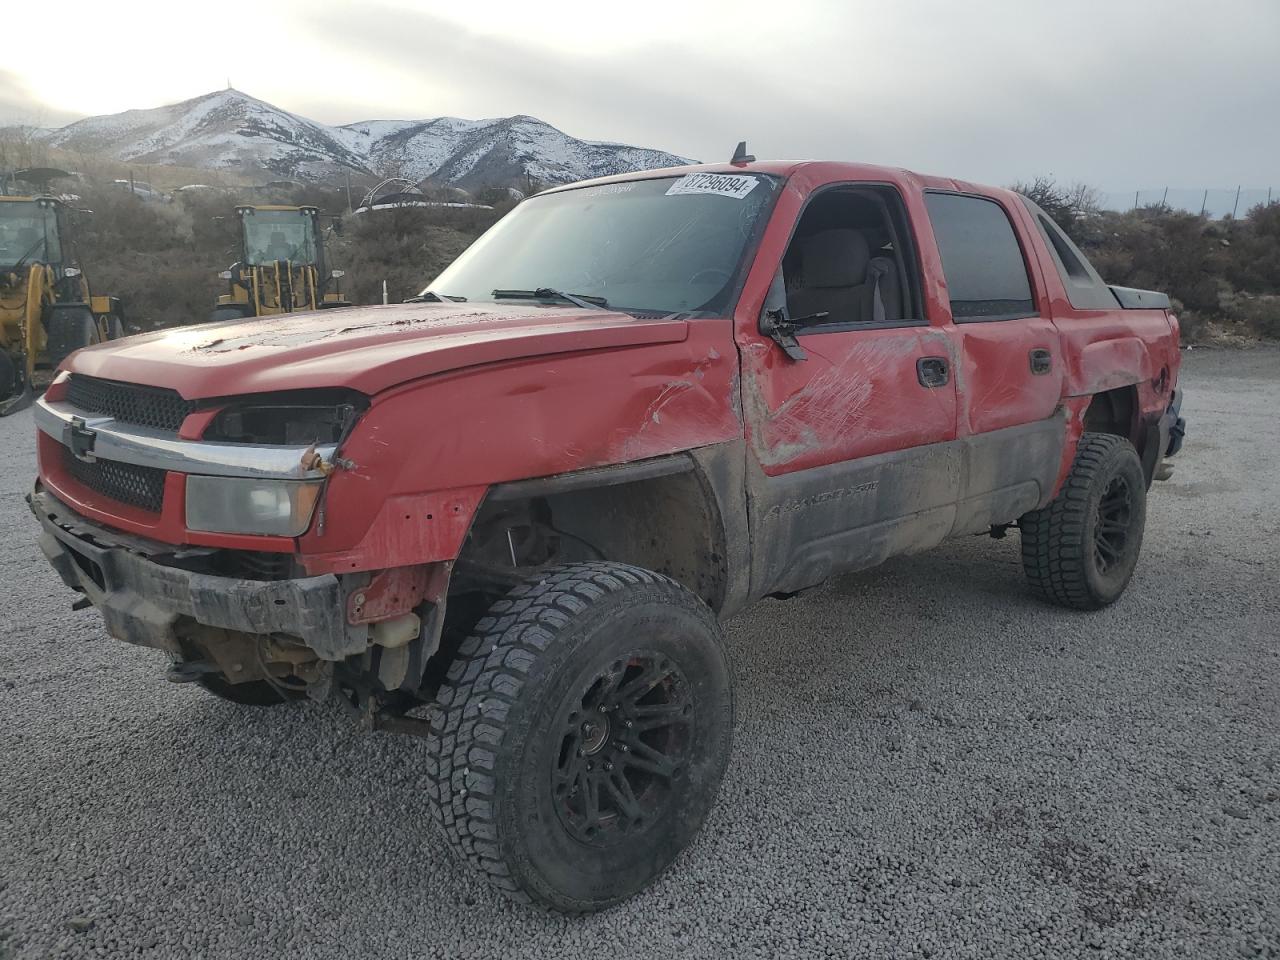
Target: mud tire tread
1053,538
484,682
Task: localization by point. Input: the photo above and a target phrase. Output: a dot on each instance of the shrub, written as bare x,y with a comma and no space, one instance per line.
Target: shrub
1218,272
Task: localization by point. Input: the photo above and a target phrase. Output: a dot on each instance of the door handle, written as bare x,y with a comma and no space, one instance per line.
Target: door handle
1041,361
932,371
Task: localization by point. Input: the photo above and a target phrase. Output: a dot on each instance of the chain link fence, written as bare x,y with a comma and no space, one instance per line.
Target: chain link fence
1213,202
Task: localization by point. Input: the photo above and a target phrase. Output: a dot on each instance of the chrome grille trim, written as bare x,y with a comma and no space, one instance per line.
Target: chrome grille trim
163,450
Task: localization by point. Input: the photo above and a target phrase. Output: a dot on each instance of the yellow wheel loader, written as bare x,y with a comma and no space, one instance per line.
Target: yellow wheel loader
46,308
281,267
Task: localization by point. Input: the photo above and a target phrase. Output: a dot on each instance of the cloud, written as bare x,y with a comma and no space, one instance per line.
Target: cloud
1114,94
1141,93
18,107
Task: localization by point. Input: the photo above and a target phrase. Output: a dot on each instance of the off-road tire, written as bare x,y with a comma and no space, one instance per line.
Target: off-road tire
10,375
1061,554
227,313
115,327
507,718
70,330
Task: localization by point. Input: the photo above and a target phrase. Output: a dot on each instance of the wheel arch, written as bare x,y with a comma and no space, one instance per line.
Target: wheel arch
1113,411
673,515
1118,412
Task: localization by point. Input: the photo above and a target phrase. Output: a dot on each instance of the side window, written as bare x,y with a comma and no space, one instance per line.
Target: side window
981,259
1085,289
850,263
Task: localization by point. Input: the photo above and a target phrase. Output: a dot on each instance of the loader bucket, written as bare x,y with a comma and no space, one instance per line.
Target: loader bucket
19,401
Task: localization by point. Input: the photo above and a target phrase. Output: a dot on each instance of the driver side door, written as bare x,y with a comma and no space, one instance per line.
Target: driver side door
855,445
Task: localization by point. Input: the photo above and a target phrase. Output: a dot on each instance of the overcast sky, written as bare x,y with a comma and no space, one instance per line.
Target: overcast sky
1117,93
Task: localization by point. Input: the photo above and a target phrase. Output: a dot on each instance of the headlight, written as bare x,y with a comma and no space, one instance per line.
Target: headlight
279,508
297,419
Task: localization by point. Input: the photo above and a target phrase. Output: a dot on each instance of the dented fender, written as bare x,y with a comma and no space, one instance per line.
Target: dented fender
424,455
1107,364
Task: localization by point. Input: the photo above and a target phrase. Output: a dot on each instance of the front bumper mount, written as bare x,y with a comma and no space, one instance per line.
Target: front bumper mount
144,601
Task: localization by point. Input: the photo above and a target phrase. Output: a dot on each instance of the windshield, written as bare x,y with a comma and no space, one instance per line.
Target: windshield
28,233
670,245
271,235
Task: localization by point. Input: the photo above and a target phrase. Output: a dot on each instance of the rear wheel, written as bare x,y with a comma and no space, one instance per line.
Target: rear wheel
582,734
1081,550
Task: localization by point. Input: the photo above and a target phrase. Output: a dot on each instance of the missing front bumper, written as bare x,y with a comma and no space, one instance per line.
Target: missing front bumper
145,602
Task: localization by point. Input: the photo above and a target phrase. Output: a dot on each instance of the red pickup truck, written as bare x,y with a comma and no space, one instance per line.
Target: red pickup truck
511,514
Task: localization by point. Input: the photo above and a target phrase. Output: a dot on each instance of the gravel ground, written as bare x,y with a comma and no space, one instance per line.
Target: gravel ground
928,763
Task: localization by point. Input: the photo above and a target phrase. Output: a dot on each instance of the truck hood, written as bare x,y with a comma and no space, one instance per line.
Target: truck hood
368,349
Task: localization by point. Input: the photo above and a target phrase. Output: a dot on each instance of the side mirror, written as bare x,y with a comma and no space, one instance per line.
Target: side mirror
775,326
337,274
71,272
226,275
774,323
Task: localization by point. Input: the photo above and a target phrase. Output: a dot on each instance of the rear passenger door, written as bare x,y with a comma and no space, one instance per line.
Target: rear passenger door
1010,374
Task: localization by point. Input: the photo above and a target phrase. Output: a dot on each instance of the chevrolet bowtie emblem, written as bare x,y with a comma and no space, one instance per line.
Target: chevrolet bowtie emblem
79,439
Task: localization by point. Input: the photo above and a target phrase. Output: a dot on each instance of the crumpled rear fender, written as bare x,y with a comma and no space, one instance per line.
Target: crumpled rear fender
1107,364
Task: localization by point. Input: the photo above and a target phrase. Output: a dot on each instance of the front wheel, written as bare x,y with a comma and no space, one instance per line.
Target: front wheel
10,375
70,328
1080,551
582,734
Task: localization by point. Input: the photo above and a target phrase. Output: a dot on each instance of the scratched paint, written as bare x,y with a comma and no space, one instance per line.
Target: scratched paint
390,346
305,329
464,397
857,395
999,388
455,435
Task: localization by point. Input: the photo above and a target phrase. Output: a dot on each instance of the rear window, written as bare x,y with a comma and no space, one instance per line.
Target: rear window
981,259
1085,288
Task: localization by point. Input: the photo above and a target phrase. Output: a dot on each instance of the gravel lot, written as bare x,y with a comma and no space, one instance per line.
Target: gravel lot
928,763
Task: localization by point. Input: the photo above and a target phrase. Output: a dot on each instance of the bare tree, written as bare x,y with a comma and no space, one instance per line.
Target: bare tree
21,146
1072,208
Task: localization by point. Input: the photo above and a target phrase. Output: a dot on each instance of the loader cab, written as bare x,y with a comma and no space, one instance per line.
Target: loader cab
47,310
281,268
31,231
271,234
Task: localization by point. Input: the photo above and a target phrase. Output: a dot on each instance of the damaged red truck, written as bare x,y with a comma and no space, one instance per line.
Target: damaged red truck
511,514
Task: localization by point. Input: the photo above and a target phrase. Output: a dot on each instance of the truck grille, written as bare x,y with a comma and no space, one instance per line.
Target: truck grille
141,487
129,402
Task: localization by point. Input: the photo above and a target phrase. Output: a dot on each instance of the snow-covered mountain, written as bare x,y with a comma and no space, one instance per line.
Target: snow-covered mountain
229,130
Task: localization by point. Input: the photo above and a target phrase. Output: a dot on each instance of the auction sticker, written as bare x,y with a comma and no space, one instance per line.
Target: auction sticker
720,184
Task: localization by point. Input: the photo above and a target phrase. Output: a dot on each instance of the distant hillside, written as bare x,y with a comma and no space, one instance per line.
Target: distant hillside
230,130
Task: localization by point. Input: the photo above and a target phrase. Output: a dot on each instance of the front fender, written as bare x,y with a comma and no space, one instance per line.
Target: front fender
423,456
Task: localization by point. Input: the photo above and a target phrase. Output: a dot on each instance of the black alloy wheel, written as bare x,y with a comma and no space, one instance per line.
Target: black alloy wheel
1081,550
625,742
581,734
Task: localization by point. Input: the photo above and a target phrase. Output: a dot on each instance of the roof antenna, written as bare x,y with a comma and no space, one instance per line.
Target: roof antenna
740,156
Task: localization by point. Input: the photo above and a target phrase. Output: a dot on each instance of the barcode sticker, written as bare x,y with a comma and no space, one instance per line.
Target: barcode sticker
720,184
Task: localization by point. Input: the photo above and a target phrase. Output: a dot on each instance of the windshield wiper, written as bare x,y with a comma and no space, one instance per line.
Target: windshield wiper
584,301
430,296
18,266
